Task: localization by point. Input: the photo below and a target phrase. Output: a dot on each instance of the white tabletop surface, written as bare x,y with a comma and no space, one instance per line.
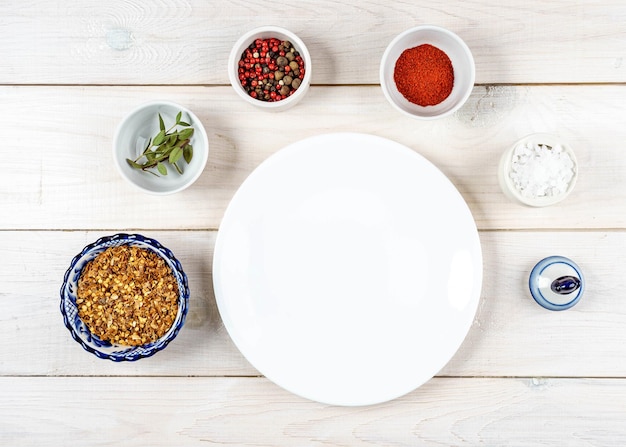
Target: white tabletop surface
71,71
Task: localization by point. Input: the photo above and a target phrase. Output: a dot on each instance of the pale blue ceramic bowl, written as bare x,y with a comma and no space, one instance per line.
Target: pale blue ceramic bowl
80,332
556,283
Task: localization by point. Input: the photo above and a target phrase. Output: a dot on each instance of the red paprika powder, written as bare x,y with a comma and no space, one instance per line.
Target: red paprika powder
424,75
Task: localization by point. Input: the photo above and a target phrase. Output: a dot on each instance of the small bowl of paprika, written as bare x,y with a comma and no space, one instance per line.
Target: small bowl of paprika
427,72
270,68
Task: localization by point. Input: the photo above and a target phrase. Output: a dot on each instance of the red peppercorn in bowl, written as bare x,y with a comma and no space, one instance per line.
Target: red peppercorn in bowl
270,67
427,72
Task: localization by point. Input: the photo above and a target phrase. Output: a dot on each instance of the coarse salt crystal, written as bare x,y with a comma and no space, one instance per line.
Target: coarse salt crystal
539,170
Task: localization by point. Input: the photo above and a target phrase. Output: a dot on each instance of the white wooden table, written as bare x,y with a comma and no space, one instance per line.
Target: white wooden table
70,71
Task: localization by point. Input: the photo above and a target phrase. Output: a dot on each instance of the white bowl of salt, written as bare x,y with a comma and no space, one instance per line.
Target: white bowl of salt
538,170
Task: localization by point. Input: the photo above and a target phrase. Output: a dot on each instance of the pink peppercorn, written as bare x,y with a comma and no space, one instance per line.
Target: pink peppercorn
258,69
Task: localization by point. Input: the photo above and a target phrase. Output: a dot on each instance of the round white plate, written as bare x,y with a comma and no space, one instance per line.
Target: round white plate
347,269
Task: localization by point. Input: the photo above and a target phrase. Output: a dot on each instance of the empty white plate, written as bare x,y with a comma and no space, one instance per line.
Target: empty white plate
347,269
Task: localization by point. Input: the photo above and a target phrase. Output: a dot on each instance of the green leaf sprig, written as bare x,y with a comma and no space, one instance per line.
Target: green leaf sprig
168,146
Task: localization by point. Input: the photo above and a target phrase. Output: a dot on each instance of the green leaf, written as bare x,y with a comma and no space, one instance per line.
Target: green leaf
134,164
159,139
188,153
185,134
162,149
168,146
148,145
162,169
175,155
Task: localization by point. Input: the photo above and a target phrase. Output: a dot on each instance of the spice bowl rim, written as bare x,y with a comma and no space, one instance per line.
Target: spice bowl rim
78,329
455,48
504,168
128,132
267,31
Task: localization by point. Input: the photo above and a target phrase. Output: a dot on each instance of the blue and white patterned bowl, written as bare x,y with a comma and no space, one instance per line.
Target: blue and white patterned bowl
80,332
556,283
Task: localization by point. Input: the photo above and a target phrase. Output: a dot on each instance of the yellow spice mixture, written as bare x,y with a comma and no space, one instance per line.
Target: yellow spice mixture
127,295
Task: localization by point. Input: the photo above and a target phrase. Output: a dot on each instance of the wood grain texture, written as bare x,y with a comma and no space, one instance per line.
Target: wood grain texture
188,41
31,291
59,174
183,411
524,376
511,334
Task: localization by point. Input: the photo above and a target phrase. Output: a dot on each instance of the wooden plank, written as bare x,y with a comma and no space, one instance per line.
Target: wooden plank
511,334
59,172
188,42
187,411
29,290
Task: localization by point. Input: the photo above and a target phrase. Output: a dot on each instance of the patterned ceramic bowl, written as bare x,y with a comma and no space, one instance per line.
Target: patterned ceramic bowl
80,332
556,283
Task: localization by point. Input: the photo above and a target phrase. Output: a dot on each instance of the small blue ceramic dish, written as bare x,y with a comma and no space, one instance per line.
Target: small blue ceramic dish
80,332
556,283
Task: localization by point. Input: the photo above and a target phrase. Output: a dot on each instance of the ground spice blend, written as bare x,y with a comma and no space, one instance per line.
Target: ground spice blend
424,75
127,295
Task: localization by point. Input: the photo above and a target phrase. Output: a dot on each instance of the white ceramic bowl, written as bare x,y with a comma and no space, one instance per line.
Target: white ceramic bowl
266,32
132,136
505,166
462,64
